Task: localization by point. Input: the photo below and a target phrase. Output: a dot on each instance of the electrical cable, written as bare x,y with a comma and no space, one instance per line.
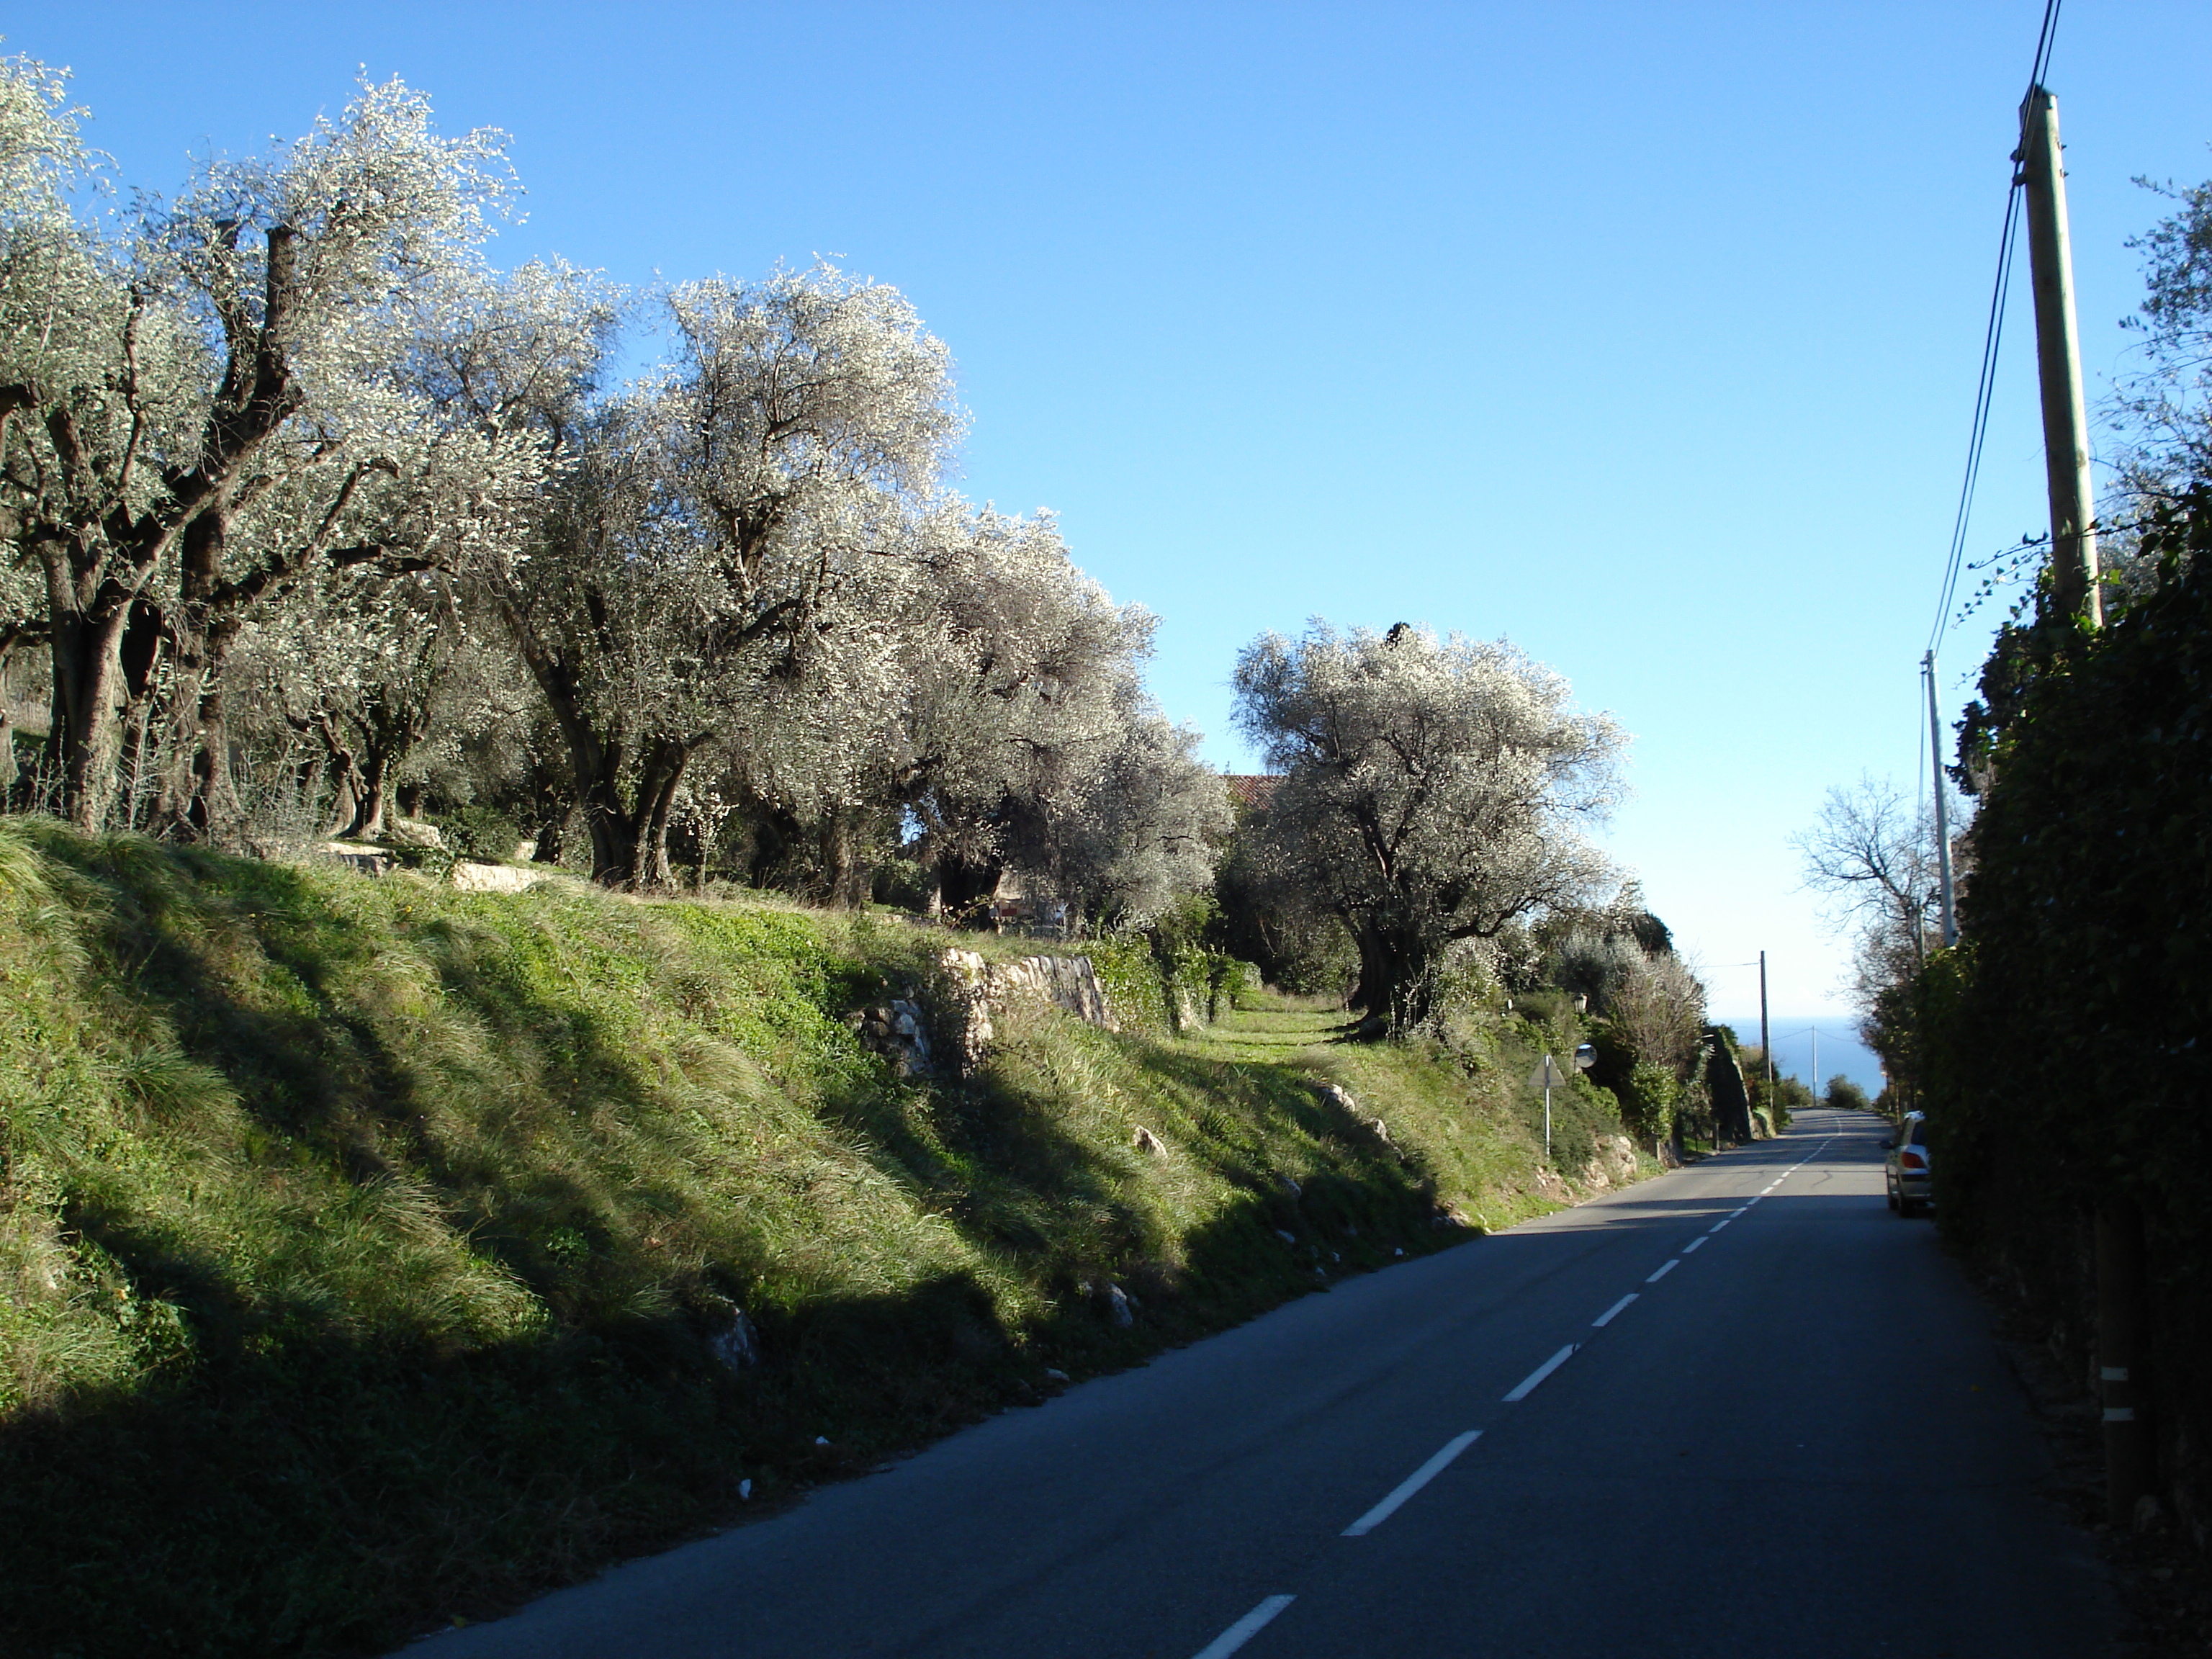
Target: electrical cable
1984,388
1992,339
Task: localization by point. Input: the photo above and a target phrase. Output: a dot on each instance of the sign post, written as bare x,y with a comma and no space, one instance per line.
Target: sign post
1548,1077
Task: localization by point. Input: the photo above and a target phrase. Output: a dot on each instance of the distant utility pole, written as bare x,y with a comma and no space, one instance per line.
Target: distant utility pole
1942,812
2059,365
1766,1047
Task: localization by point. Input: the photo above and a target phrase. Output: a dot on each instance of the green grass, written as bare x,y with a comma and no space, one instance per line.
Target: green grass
361,1241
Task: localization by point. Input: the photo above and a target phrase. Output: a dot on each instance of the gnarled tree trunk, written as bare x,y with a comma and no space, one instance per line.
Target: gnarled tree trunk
848,871
87,686
628,827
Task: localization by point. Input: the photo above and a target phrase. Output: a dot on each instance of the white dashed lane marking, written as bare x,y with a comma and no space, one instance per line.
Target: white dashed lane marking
1232,1639
1606,1318
1528,1384
1244,1629
1411,1484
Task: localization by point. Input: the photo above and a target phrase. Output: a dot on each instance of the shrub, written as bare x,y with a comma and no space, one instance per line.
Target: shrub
482,833
1647,1104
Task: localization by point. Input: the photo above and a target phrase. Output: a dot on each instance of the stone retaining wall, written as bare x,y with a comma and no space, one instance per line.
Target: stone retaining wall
947,1024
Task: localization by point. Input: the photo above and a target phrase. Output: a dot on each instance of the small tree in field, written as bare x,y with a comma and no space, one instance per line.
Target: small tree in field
1433,790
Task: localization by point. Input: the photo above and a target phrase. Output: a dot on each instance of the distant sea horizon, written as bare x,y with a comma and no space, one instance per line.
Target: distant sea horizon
1840,1049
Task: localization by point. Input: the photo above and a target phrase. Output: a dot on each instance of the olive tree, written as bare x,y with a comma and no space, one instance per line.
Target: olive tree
1151,830
1433,790
238,407
50,273
96,383
722,521
376,678
1031,747
987,694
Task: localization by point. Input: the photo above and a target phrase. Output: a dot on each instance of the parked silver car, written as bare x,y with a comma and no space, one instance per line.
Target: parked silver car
1906,1167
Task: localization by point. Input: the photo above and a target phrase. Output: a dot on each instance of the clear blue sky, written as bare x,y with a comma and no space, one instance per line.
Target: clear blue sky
1644,335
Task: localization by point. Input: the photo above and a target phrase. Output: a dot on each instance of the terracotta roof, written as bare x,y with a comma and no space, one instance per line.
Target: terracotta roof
1250,788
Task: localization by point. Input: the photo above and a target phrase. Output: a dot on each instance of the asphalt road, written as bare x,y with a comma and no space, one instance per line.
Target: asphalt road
1741,1409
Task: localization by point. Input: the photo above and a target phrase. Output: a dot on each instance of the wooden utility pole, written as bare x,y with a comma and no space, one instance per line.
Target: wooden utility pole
2059,365
2121,1282
1942,812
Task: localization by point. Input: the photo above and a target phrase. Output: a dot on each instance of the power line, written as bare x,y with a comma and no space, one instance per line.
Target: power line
1992,341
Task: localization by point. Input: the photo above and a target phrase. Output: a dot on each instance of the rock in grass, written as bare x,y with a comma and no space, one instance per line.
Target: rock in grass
1117,1302
735,1344
1149,1143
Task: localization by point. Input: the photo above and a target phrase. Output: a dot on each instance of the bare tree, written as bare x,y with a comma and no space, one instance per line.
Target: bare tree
1872,855
2163,411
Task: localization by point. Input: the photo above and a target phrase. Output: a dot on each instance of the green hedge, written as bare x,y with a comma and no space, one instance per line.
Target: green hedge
2068,1056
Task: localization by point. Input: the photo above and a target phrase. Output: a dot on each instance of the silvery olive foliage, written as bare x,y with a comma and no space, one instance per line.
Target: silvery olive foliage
1149,832
1593,962
50,275
52,278
732,533
369,686
1434,790
1029,715
988,698
236,409
293,479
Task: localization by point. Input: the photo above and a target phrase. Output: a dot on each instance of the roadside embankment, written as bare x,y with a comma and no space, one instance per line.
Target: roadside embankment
374,1253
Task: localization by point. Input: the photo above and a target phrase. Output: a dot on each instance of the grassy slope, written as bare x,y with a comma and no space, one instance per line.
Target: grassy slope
360,1242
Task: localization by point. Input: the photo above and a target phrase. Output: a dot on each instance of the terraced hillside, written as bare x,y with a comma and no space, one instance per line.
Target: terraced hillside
373,1254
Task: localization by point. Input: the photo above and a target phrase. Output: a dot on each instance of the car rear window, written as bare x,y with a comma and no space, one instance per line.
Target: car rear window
1919,1134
